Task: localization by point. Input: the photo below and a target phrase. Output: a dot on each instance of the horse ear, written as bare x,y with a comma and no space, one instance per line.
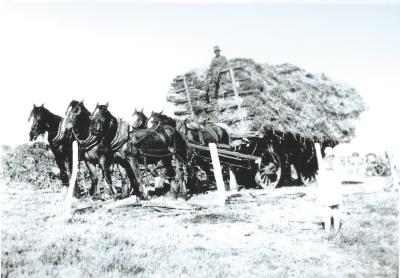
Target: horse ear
161,111
81,102
34,105
106,105
141,111
135,111
97,104
42,105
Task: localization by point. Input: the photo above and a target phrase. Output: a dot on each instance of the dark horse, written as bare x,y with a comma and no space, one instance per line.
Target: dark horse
197,134
150,146
203,134
60,141
95,150
104,141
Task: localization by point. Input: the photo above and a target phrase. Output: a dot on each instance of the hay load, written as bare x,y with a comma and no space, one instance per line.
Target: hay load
282,98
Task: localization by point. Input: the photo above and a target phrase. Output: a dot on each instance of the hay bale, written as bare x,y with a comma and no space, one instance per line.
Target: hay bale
281,97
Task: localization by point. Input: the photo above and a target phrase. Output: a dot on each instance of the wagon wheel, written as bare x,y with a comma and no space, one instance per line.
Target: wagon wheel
378,169
269,175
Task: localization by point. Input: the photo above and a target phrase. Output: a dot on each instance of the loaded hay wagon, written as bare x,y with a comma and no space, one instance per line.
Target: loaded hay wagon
281,110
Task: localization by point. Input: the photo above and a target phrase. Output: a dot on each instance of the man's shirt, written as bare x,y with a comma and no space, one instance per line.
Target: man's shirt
217,64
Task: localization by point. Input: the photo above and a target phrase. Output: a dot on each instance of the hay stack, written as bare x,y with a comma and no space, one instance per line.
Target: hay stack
282,98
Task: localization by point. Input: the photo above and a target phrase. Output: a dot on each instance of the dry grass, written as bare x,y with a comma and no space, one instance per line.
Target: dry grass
280,97
259,234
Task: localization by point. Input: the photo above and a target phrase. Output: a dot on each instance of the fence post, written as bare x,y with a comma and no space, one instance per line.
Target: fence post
72,181
218,174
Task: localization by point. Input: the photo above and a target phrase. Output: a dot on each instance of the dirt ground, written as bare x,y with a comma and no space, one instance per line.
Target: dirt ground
261,233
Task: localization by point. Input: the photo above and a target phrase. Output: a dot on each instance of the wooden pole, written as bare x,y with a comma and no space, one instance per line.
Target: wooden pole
238,100
234,85
218,174
188,95
72,181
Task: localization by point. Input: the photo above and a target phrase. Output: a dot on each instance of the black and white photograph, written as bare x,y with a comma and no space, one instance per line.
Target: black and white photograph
199,138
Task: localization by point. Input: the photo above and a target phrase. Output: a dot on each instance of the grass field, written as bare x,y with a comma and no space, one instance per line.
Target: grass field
273,233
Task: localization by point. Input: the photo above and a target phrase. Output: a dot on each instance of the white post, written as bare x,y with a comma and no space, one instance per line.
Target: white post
72,181
217,173
329,195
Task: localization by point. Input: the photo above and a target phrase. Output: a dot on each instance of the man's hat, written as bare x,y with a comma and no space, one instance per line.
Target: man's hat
216,48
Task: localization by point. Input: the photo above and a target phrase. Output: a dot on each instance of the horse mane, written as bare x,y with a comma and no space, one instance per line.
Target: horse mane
74,103
166,120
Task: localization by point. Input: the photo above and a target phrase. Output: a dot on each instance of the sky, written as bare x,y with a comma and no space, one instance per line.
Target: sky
127,53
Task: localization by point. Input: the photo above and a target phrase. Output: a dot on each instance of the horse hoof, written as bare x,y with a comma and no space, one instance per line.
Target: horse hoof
96,197
107,197
144,196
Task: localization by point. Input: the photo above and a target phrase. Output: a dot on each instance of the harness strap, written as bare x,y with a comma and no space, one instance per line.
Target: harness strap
59,134
147,135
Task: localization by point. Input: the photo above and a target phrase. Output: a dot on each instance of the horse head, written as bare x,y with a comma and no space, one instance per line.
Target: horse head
77,117
158,118
102,122
39,121
154,119
139,119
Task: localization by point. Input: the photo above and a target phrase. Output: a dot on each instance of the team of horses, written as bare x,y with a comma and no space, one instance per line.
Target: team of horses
106,141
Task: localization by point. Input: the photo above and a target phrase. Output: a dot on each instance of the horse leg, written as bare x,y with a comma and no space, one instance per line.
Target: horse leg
133,184
170,174
123,175
205,166
299,180
193,184
179,177
232,179
105,166
63,174
226,176
136,181
93,177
